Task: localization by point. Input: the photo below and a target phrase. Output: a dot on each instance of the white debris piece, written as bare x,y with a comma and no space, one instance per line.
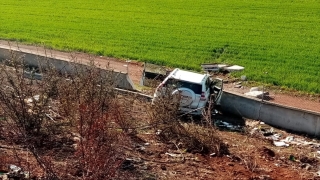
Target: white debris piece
213,67
254,89
228,125
257,94
280,143
30,100
14,168
288,139
275,137
234,68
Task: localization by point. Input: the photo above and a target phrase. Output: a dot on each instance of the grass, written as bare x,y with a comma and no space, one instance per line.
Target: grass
278,42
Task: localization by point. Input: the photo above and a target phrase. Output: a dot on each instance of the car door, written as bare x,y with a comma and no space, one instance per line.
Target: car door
216,89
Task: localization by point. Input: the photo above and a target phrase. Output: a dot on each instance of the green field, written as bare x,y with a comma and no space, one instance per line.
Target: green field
277,41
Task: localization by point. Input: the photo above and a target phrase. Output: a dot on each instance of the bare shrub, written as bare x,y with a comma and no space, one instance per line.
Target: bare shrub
26,104
250,162
86,104
89,101
208,139
165,119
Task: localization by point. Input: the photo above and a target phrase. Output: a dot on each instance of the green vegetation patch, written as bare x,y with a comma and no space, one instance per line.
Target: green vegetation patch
278,42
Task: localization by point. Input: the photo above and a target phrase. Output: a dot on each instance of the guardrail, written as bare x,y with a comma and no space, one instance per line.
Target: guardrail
61,64
282,116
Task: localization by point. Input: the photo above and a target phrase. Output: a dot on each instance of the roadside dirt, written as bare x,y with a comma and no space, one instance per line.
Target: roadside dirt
252,154
135,68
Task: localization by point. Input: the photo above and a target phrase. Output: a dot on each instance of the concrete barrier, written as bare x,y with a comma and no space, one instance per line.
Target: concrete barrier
286,117
63,65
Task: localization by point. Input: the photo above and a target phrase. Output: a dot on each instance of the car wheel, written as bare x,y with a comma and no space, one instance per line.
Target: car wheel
184,95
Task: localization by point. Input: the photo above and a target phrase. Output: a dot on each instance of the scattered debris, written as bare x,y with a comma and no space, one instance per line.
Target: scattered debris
269,133
213,67
234,68
14,172
34,98
257,94
14,168
280,143
275,137
227,125
288,139
221,67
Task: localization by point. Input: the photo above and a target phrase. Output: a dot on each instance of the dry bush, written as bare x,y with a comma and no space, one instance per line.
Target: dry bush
87,105
250,162
89,101
26,104
165,119
207,139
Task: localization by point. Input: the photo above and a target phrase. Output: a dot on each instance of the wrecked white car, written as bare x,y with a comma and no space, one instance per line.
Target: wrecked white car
193,90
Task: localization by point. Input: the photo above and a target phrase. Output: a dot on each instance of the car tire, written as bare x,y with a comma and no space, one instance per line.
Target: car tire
185,95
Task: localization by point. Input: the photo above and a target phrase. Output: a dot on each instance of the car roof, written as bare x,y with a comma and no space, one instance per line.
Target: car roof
187,76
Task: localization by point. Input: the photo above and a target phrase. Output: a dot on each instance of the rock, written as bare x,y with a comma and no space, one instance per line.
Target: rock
306,166
269,152
163,167
237,86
